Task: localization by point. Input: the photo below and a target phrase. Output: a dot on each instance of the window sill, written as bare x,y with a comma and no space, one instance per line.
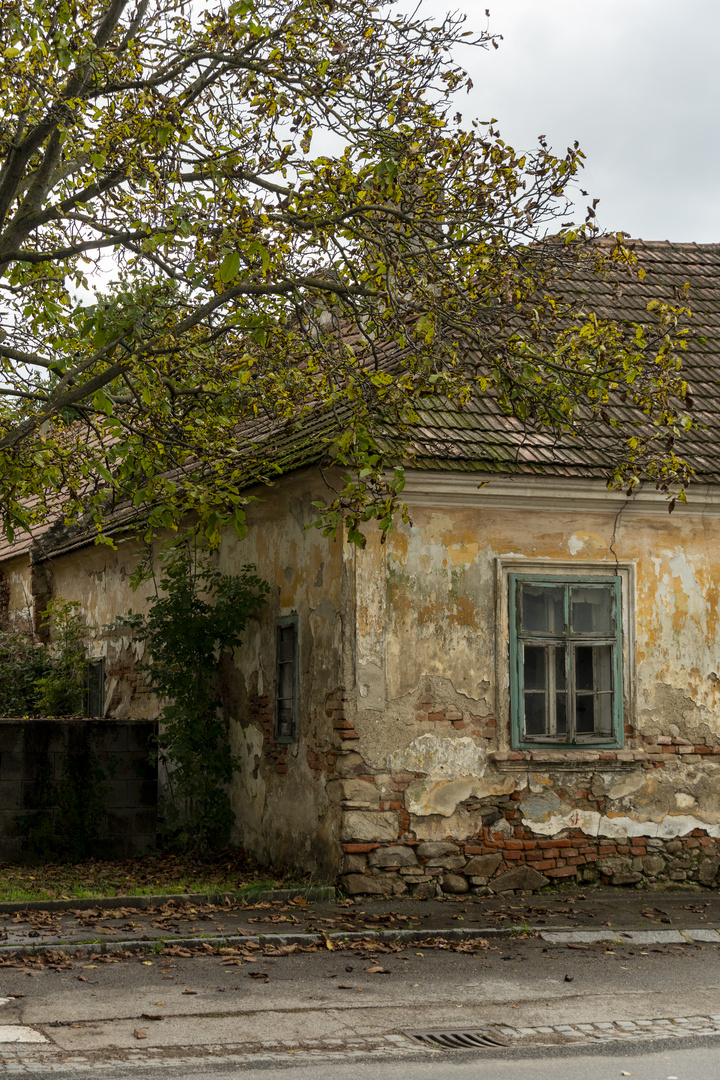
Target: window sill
507,760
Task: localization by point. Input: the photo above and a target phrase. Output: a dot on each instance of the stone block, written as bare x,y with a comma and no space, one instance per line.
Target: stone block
653,865
448,862
396,855
454,883
347,763
708,870
355,864
114,737
129,822
139,735
483,866
11,737
626,878
382,885
432,848
425,890
358,792
521,877
367,825
13,766
8,829
11,794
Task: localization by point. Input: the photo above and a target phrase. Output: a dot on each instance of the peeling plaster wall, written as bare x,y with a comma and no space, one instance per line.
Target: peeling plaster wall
286,809
99,579
15,592
432,715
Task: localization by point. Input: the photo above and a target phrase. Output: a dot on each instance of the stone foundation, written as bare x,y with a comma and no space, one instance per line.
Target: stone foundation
506,858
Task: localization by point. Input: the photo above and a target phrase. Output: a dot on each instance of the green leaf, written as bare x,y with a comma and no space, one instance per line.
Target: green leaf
230,266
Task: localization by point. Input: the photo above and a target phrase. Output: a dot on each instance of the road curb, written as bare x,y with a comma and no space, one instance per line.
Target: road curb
218,942
315,893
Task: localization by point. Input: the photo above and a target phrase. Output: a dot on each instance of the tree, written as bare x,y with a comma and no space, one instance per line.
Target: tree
252,283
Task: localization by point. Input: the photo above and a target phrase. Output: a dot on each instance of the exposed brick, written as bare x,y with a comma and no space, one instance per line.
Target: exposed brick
561,871
358,849
546,864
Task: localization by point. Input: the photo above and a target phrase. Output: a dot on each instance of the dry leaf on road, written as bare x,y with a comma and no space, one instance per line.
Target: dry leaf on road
139,1034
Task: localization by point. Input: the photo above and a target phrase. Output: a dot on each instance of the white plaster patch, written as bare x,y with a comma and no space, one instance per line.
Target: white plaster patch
587,820
441,759
617,828
575,544
684,801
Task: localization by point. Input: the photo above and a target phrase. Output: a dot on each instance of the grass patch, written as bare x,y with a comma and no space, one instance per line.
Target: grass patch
143,875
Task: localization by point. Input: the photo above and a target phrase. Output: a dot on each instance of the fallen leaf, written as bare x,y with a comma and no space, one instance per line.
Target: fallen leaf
189,991
82,978
139,1034
344,986
159,1002
148,963
151,1016
569,978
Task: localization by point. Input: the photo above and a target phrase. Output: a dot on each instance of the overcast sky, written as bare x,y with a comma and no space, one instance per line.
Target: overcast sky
636,82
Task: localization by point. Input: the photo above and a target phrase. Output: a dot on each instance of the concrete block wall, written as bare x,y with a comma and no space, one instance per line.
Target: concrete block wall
43,764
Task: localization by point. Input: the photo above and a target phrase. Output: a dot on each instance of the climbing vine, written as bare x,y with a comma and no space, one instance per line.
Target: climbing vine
196,615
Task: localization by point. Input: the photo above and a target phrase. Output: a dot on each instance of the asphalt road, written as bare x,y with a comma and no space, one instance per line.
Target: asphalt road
90,1013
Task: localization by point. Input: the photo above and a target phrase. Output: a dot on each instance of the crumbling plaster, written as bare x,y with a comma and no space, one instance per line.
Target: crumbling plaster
287,815
426,620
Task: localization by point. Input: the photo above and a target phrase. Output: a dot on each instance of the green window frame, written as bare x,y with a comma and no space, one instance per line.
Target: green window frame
566,661
287,683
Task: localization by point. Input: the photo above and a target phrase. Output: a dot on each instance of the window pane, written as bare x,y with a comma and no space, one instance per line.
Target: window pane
535,718
584,667
285,725
286,681
543,609
591,610
585,714
286,643
535,667
561,714
593,667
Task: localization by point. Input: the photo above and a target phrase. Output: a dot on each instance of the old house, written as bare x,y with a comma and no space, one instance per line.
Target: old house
519,687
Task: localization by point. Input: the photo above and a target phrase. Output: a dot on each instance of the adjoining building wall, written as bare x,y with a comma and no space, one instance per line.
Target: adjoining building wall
435,796
285,795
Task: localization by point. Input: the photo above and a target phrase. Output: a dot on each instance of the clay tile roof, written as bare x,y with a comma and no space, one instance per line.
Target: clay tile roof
481,438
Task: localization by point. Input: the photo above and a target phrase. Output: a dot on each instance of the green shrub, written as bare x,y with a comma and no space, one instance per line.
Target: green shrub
61,689
197,615
24,662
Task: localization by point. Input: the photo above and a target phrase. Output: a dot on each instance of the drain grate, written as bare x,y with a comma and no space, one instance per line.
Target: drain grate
457,1040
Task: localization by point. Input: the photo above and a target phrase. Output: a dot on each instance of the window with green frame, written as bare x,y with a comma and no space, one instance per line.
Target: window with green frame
286,681
566,660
